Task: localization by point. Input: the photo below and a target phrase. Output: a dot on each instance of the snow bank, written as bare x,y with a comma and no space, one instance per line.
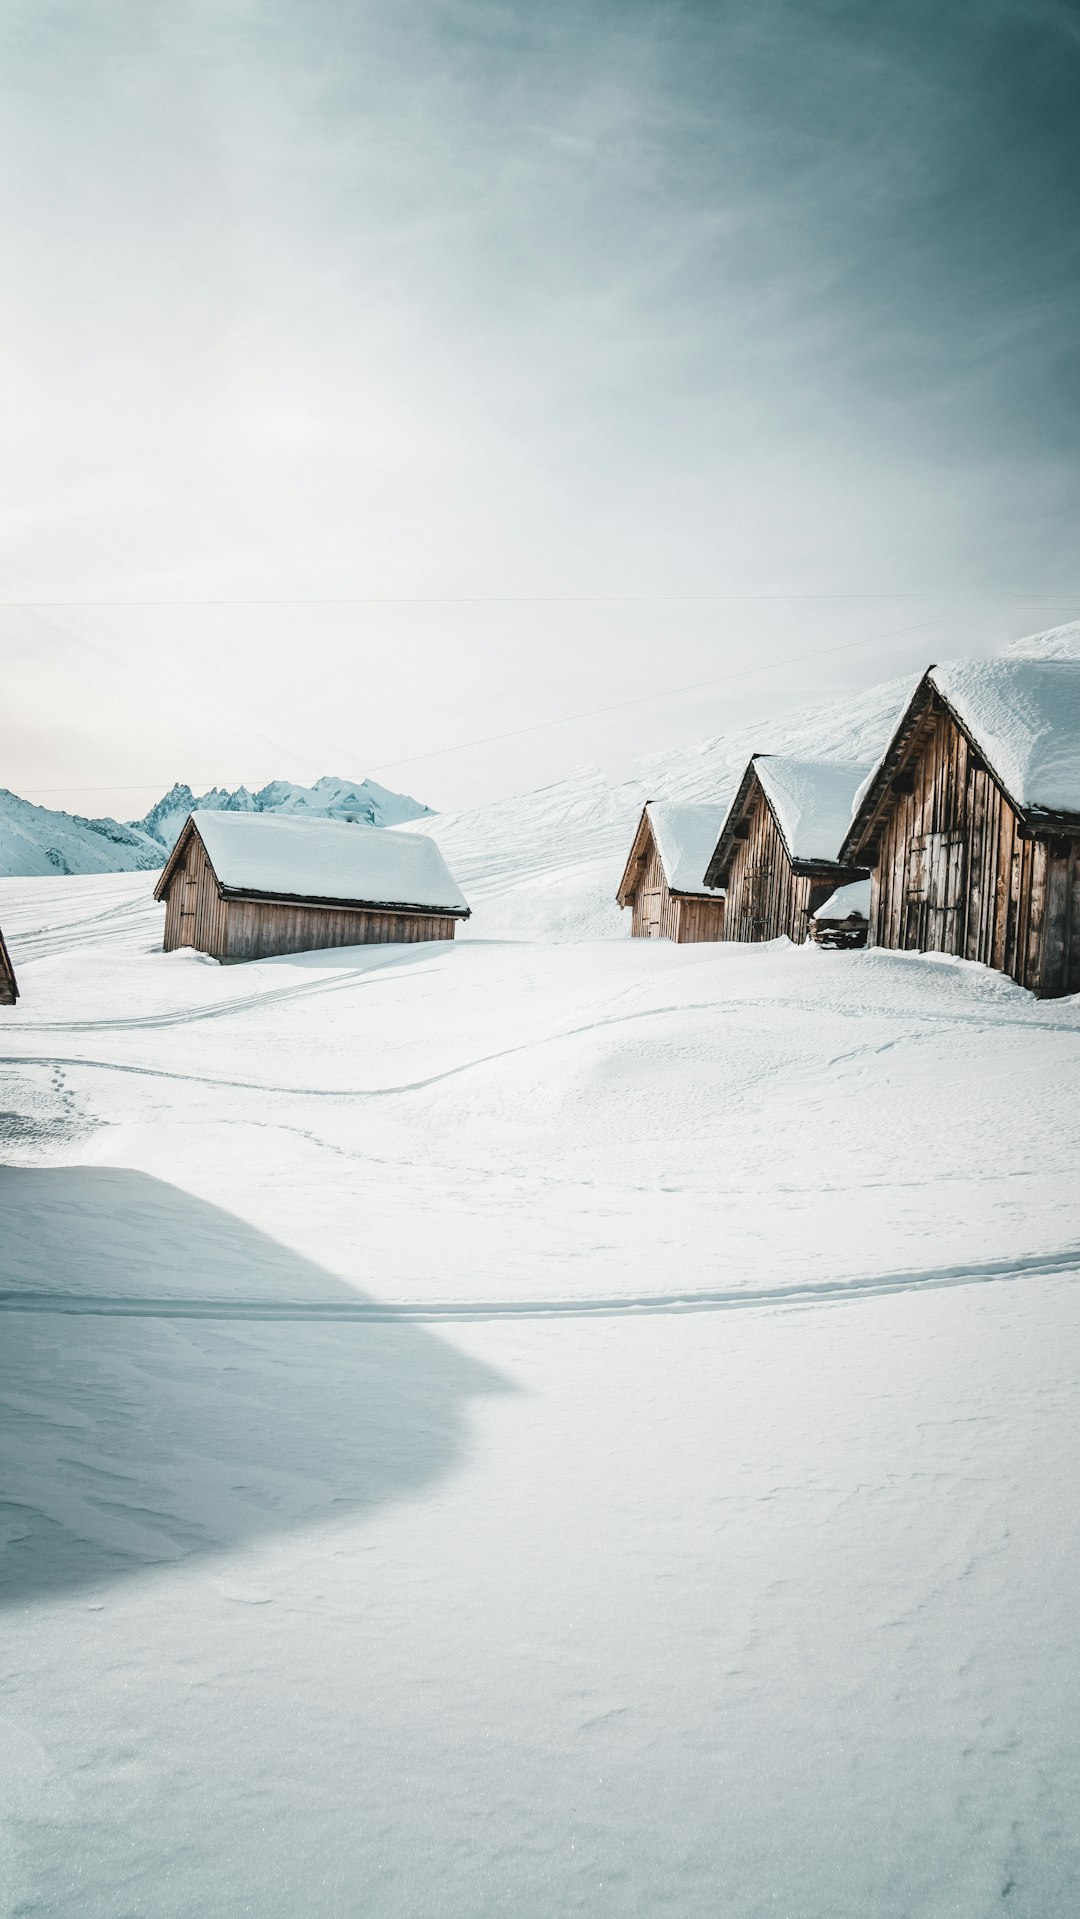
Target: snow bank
847,903
686,838
1024,715
812,801
328,860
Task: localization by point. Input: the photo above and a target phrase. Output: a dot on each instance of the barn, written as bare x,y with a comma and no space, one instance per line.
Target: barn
244,886
9,991
778,851
664,881
971,821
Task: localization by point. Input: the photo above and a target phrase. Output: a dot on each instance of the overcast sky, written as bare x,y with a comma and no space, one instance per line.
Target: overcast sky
494,361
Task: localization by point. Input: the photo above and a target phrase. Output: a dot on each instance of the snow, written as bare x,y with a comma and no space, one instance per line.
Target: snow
511,1426
1057,643
1024,715
812,801
328,860
686,839
543,1423
848,902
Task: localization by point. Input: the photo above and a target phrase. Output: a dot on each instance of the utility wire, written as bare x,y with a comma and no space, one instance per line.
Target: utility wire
547,599
570,719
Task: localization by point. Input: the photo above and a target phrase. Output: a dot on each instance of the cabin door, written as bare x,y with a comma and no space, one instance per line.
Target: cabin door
935,892
189,889
652,904
757,893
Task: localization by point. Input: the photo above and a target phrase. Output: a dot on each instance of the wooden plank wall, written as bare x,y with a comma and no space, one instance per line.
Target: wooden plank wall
657,913
765,896
9,992
258,929
699,921
953,874
654,913
194,911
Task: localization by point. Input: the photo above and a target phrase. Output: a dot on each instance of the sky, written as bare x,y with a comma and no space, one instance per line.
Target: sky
461,391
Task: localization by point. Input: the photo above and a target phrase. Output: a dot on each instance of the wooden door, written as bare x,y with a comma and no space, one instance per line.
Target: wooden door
189,896
934,892
757,887
652,912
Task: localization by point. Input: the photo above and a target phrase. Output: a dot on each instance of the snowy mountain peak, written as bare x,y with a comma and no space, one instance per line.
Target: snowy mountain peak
330,798
39,840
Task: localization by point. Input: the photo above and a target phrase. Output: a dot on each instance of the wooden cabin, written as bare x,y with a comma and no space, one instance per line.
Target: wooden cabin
778,852
664,881
971,823
9,990
244,886
843,920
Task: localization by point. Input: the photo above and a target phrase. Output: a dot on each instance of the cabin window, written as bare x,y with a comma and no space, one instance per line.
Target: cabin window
935,869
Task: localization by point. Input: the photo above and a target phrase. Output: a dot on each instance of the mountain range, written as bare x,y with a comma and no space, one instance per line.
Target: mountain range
37,839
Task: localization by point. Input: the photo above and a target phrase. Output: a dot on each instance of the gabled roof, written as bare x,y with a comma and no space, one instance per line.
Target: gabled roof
7,975
318,859
1021,716
684,837
810,801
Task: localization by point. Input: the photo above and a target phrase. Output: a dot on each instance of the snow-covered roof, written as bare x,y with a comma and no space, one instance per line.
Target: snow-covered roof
812,801
849,902
327,860
1024,716
685,840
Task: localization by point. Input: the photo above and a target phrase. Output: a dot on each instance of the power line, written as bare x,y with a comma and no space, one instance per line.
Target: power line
571,719
647,699
546,599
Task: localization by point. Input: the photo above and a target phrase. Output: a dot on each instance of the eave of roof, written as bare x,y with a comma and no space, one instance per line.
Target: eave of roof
339,905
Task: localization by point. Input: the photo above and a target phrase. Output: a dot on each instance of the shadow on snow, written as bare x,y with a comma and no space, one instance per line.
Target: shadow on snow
133,1441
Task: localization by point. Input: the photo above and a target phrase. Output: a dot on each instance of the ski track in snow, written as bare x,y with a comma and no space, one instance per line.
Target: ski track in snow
404,1312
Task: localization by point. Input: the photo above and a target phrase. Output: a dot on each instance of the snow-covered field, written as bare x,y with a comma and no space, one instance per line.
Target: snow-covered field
528,1428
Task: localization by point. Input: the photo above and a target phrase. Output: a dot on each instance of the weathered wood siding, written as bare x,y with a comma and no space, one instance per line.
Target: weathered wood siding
9,991
698,920
194,909
956,874
232,930
257,929
766,898
657,913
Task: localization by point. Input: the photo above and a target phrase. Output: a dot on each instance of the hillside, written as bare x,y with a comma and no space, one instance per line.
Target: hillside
548,863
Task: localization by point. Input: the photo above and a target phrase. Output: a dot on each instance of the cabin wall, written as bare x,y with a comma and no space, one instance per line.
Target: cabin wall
765,896
194,910
9,992
259,929
657,913
698,921
954,875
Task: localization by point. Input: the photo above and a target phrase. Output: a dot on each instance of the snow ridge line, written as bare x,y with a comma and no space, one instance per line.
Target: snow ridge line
387,1312
918,1016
